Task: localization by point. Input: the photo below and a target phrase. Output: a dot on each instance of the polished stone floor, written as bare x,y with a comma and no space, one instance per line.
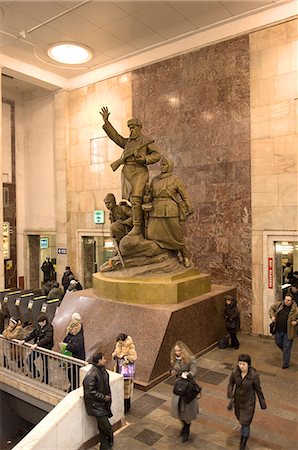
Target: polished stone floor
150,425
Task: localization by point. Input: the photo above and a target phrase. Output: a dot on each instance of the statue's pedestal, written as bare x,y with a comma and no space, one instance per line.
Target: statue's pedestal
154,328
162,289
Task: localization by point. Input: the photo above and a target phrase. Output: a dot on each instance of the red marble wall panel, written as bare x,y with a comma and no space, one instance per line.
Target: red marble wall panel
197,107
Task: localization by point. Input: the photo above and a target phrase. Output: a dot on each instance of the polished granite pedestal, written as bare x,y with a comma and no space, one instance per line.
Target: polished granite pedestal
154,328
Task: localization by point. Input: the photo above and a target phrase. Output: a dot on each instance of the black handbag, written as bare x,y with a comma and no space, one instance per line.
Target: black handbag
272,328
186,388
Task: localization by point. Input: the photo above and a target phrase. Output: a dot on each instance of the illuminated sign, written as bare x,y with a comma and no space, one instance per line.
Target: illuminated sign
99,216
6,240
44,242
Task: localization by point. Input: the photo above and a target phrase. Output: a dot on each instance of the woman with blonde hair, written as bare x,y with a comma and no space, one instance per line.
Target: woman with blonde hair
184,366
74,345
125,356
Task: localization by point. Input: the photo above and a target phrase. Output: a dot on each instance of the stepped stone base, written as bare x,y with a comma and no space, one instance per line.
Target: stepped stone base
158,289
154,328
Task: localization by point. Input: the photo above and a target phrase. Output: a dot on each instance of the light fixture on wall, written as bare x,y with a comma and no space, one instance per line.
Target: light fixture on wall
69,53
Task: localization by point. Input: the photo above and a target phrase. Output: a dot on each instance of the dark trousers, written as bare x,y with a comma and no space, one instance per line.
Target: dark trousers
105,432
73,377
234,340
285,344
245,430
45,361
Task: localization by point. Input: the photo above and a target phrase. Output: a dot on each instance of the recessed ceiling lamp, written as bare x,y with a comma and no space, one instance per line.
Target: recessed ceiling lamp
69,53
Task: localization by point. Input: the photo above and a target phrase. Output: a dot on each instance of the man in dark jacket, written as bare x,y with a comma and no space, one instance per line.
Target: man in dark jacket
97,396
285,318
66,278
42,336
48,270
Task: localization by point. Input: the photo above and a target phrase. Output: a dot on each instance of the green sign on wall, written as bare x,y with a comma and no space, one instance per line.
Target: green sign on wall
99,216
44,242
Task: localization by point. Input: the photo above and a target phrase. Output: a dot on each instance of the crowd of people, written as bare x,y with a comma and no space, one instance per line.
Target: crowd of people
243,386
52,289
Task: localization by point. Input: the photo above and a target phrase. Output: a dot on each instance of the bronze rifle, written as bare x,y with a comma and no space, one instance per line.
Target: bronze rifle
133,151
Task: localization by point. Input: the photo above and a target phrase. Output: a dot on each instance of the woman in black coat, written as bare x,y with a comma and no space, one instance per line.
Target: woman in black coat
74,341
232,318
243,386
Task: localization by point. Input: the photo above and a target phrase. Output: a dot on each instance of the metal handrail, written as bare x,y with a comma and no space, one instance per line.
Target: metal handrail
44,366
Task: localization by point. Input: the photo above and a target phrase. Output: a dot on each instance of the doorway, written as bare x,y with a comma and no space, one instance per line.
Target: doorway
96,251
40,246
286,260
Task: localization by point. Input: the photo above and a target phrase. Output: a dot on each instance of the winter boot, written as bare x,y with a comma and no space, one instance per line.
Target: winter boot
185,434
183,427
243,441
137,216
126,405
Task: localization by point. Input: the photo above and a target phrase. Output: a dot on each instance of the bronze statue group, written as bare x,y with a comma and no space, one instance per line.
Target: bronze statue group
152,222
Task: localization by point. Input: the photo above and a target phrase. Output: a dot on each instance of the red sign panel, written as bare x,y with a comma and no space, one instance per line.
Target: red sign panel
270,273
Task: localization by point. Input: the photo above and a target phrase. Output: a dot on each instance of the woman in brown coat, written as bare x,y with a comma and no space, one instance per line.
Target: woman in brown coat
183,364
14,330
125,354
243,386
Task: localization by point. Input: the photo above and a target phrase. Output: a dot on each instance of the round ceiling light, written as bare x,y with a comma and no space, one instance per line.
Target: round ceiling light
69,53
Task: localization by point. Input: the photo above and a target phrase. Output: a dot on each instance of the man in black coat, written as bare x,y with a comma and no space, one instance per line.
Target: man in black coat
48,270
97,396
42,336
66,278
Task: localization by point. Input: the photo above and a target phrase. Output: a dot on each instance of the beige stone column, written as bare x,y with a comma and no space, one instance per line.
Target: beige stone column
274,156
61,143
1,193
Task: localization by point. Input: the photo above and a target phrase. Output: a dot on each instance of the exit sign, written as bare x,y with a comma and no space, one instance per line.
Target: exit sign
99,216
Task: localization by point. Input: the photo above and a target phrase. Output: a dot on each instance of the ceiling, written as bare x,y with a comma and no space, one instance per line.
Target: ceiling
114,30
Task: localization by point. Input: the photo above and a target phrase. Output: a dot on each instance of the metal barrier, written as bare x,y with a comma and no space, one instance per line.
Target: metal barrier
43,366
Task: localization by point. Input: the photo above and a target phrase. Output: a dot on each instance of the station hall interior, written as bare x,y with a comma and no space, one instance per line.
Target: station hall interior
215,84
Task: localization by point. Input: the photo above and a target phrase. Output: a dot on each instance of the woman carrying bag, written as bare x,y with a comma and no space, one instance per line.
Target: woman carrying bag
74,345
243,386
125,356
183,367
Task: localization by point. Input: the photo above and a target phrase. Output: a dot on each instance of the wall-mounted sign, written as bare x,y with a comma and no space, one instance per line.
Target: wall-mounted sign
6,240
270,273
99,216
44,242
62,251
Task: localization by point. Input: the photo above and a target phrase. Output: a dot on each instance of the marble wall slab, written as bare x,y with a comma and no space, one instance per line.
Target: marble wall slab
197,107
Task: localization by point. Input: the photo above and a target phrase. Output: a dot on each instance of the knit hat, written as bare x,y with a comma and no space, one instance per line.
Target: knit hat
76,316
245,358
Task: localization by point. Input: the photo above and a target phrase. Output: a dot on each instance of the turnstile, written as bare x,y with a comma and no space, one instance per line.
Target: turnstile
34,307
21,306
49,308
8,302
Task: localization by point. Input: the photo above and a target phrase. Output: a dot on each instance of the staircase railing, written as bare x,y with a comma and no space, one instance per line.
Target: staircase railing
50,368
